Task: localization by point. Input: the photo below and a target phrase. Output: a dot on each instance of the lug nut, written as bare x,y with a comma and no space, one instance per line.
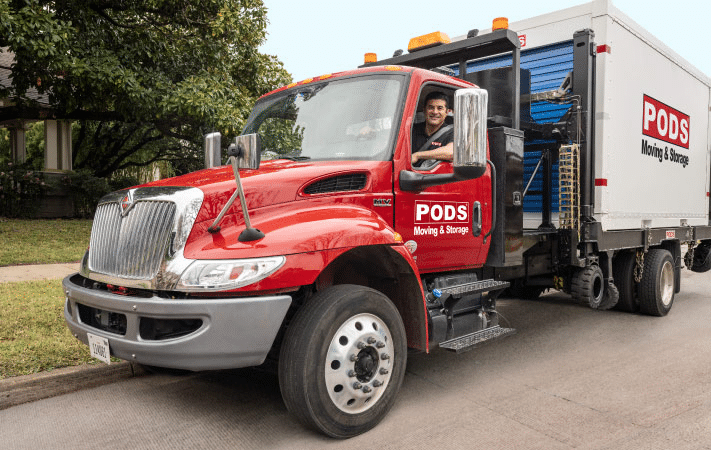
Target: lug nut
357,385
377,383
353,358
371,340
380,344
351,373
366,389
384,371
361,345
384,356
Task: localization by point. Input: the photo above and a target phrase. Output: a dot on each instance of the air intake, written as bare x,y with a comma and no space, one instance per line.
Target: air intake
340,183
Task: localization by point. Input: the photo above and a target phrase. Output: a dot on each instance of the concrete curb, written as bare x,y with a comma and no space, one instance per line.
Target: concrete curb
29,388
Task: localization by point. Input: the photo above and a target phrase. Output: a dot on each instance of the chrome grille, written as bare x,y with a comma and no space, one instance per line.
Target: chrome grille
132,246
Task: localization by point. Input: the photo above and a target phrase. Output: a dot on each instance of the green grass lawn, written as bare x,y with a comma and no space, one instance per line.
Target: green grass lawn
42,241
33,334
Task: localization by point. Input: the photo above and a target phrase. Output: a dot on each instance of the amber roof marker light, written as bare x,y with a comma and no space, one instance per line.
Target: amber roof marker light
500,23
427,41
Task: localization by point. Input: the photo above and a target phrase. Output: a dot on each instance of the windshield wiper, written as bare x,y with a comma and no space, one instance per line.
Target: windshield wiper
291,157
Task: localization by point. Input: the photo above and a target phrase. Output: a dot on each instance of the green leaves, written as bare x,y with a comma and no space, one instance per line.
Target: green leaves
183,66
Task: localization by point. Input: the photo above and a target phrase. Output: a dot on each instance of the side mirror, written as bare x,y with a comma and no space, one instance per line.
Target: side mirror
247,149
245,153
470,138
213,152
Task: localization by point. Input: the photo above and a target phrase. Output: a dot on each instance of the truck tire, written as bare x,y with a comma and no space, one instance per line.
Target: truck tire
588,286
702,258
610,297
623,272
343,360
656,290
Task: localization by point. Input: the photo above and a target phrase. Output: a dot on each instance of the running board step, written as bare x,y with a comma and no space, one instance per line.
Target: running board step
476,287
469,341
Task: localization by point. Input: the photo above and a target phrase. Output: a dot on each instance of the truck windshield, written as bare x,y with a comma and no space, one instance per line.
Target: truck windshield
351,119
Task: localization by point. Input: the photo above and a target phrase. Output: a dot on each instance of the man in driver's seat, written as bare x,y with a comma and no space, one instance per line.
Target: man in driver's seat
432,139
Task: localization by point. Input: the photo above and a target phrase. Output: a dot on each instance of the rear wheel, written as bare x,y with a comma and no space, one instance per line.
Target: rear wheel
656,290
623,271
702,258
343,360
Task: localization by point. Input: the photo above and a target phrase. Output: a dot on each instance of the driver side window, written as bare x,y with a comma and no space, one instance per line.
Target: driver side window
432,130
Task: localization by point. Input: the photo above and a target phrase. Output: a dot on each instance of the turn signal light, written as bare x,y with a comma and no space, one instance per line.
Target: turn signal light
427,41
500,23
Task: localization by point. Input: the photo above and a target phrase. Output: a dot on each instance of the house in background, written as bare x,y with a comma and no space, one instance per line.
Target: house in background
57,137
58,133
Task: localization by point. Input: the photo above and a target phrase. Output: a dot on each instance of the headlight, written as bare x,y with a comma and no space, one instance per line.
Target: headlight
225,274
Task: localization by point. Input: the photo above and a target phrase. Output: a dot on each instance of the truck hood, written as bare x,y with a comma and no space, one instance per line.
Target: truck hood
282,181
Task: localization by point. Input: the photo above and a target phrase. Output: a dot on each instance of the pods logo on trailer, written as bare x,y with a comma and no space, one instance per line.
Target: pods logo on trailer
661,122
665,123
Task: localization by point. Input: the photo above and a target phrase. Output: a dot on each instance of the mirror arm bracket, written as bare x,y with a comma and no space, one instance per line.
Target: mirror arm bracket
240,154
413,181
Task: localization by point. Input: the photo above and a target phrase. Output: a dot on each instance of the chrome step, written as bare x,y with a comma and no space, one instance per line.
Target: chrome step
469,341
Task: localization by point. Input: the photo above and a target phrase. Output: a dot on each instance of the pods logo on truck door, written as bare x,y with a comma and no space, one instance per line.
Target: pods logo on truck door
441,218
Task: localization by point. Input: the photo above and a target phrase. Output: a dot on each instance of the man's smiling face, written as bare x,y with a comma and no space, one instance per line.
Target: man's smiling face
435,111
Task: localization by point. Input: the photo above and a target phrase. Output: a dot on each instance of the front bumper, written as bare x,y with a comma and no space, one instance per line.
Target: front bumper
235,332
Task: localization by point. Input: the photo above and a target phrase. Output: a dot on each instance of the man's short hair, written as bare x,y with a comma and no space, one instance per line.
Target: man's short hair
437,95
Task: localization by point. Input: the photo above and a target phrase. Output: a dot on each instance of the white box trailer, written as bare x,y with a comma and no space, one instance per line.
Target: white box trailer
652,127
600,136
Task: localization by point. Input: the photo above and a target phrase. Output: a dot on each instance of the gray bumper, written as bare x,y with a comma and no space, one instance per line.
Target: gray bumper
235,332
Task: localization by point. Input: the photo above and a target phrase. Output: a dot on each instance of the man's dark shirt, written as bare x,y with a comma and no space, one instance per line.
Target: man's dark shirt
419,138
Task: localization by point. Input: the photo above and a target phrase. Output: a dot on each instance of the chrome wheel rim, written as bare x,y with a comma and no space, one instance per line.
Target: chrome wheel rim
359,363
666,283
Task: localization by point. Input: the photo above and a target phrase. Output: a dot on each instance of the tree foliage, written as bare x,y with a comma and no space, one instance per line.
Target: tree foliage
152,74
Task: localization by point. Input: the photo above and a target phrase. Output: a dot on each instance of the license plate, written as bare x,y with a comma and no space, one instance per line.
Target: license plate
99,348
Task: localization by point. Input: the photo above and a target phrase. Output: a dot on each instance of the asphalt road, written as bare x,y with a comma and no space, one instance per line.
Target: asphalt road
571,378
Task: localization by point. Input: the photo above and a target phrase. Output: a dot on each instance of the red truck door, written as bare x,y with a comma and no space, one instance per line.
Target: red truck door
444,225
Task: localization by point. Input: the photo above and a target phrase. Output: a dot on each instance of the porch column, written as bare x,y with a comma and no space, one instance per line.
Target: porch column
58,145
18,145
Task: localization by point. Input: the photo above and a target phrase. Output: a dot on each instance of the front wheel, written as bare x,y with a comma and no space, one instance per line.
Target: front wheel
343,360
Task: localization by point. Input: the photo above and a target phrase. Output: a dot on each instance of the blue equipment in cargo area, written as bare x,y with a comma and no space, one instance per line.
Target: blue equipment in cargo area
548,67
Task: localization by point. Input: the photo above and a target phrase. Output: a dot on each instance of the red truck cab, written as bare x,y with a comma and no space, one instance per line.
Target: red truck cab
333,214
332,279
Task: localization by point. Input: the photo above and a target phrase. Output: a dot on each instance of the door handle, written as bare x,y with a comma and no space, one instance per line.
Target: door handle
476,219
